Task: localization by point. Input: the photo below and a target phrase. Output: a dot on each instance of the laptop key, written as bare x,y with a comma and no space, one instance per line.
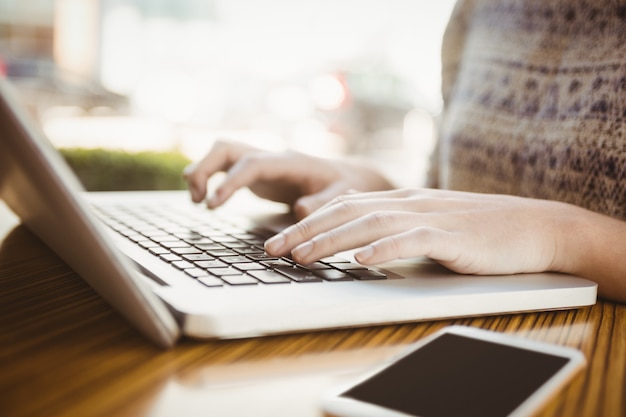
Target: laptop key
299,275
209,246
211,264
147,244
367,274
261,257
186,251
223,272
240,279
196,272
237,245
183,264
276,263
159,251
235,259
197,240
348,266
199,257
136,237
184,235
255,241
224,239
211,281
315,266
249,266
175,244
333,275
164,238
222,252
248,250
270,277
170,257
245,236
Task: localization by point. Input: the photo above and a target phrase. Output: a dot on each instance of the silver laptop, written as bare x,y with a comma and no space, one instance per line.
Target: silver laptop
173,268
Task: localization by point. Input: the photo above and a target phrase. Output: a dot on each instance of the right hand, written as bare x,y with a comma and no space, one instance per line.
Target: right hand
305,182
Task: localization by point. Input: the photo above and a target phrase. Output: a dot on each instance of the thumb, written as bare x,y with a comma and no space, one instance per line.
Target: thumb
309,203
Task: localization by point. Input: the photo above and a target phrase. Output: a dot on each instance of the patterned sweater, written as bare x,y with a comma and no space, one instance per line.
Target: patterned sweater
535,101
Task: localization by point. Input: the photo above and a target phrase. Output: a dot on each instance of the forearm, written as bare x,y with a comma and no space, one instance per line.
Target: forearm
594,247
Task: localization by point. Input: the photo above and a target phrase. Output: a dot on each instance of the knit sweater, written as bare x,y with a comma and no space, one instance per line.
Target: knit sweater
535,101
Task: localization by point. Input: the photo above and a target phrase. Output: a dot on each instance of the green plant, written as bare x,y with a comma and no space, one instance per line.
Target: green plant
112,170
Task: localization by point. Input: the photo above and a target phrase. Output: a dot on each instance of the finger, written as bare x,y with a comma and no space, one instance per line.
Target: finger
197,186
346,208
322,220
255,168
352,195
417,200
306,205
354,234
220,158
434,243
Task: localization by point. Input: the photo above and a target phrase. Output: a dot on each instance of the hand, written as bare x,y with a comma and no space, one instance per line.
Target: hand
303,181
466,232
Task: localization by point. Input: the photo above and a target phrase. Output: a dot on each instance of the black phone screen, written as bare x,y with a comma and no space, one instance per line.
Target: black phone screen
455,375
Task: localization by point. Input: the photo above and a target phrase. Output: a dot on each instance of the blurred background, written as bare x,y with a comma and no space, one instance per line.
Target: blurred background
160,80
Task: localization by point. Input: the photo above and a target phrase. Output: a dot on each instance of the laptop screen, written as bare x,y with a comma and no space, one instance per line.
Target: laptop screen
40,188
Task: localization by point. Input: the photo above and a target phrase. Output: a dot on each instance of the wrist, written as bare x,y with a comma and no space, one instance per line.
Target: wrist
573,233
592,246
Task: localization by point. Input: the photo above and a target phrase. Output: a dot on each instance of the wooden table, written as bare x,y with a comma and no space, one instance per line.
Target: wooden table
64,352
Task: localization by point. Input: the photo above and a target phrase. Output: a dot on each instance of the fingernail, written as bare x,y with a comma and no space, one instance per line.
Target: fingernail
303,250
274,244
214,199
188,169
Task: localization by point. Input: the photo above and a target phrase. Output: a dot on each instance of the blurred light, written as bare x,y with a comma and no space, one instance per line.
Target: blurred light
172,96
123,57
418,128
289,102
418,136
76,36
3,68
311,136
329,93
68,128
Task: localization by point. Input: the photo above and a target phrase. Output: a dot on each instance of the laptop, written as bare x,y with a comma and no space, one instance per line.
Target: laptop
174,269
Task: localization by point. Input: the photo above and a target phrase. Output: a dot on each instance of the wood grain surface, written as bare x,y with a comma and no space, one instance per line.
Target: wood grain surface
64,352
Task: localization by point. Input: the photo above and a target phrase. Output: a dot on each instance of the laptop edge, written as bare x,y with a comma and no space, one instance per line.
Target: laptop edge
40,194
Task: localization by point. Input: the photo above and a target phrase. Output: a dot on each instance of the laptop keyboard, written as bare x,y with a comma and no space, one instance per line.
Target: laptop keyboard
217,251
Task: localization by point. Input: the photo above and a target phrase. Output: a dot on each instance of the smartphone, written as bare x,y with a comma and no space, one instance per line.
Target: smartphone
461,371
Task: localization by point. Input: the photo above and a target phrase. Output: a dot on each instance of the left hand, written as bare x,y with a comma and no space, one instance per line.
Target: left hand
467,232
303,181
